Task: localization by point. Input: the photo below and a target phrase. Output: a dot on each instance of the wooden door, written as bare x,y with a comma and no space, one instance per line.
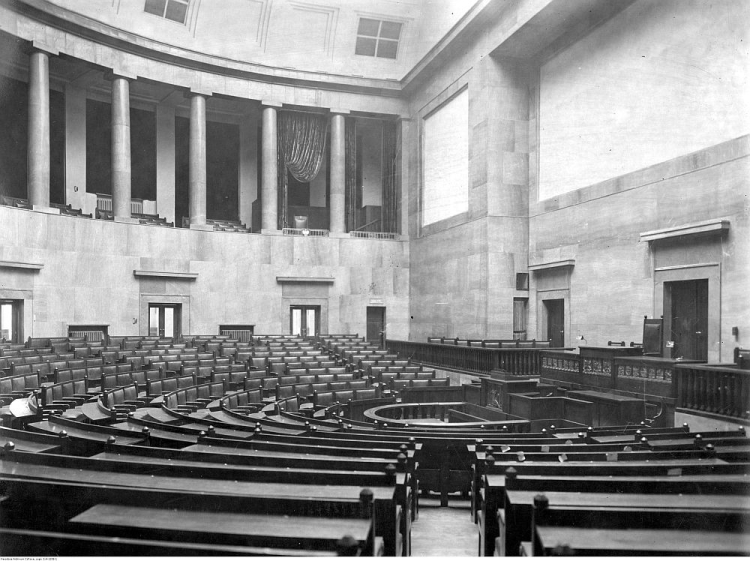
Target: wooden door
689,315
555,322
375,324
304,321
164,320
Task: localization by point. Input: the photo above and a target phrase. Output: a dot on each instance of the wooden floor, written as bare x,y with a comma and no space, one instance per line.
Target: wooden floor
444,532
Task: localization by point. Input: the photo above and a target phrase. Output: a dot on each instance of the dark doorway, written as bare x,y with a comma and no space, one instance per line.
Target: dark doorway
555,322
689,315
305,321
165,320
376,325
11,321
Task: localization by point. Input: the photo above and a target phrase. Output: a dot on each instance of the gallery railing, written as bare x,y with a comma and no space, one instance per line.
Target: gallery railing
476,359
722,389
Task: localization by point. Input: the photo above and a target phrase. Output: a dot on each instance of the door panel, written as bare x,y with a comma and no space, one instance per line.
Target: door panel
689,315
11,320
375,324
555,322
164,320
304,320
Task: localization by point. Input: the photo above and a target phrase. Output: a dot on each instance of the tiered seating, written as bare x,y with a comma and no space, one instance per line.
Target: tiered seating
170,460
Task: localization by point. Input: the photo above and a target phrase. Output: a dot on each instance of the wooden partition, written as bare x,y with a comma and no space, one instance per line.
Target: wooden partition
722,389
517,361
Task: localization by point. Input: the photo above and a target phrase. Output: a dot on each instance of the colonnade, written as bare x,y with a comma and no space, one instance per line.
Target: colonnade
39,151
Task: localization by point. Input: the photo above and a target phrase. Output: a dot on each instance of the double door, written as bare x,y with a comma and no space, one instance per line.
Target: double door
165,320
305,321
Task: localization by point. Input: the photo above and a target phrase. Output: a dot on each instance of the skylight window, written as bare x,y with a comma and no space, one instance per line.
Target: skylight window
378,38
175,10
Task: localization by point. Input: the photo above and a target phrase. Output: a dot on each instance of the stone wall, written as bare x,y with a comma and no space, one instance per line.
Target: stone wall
88,276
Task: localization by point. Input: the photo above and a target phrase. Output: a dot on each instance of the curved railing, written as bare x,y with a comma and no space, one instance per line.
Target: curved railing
478,359
432,414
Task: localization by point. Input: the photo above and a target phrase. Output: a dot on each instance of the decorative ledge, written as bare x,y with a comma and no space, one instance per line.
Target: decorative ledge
324,280
166,274
553,265
21,265
706,227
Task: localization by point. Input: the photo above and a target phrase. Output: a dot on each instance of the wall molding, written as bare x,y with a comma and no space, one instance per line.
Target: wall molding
165,274
33,267
715,226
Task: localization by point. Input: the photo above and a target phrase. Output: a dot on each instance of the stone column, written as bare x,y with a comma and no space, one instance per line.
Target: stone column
38,157
165,158
197,161
121,163
269,190
337,202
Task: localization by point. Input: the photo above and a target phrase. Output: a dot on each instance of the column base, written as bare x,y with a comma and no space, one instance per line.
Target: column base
45,209
202,227
269,231
126,220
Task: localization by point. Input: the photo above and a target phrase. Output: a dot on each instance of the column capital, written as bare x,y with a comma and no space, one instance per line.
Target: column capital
110,75
337,111
37,46
197,90
273,104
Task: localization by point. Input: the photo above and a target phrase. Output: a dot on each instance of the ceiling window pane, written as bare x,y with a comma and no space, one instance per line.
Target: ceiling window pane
366,46
387,49
155,7
390,30
176,11
368,27
378,38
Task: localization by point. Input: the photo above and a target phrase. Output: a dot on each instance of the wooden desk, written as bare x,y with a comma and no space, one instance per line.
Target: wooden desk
591,541
519,507
611,409
65,488
290,532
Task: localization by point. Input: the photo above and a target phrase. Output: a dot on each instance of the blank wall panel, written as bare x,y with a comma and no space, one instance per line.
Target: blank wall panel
446,161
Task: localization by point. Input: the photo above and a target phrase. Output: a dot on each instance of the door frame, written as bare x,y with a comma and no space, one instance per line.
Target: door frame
541,326
286,311
146,299
663,302
17,317
305,307
176,318
382,334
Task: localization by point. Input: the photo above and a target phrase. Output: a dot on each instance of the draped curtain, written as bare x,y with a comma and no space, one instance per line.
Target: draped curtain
301,149
391,149
353,192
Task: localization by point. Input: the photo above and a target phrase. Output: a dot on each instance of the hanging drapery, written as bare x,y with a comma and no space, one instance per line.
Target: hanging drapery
353,192
391,150
302,147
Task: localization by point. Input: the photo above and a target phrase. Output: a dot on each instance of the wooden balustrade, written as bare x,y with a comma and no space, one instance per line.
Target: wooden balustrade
477,359
722,389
